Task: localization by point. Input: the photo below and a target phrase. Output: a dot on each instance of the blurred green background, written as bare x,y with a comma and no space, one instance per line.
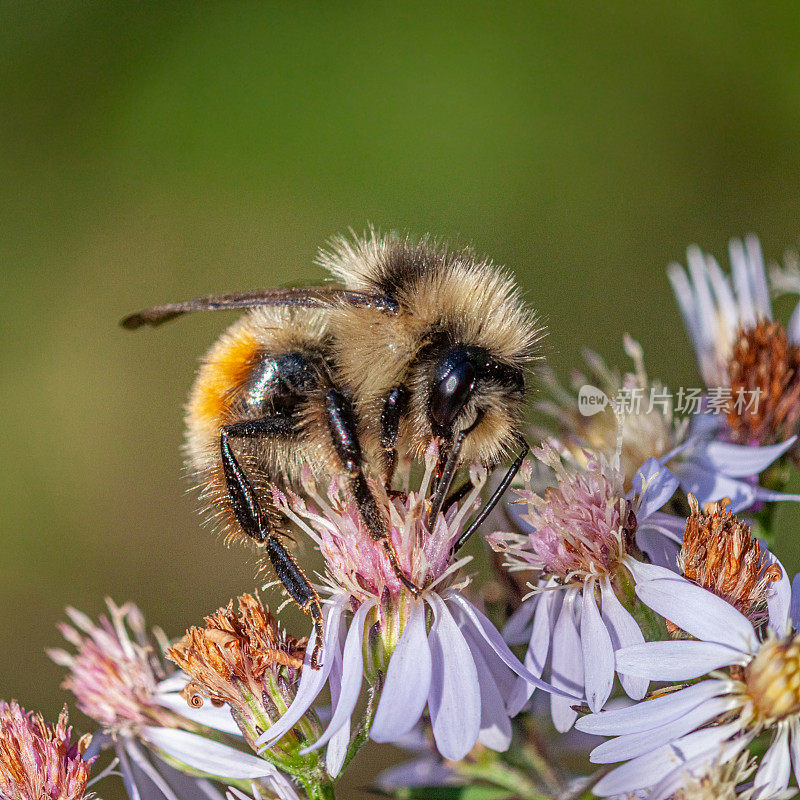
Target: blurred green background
152,152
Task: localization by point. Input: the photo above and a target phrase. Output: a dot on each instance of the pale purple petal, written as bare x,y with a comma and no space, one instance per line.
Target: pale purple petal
206,755
539,646
517,627
408,681
698,767
758,277
598,653
454,700
311,680
484,628
427,771
652,713
708,486
650,768
336,751
742,282
793,328
794,611
779,595
624,632
672,526
659,545
794,742
648,572
566,666
352,676
217,717
698,612
654,484
741,460
495,732
676,660
773,773
633,745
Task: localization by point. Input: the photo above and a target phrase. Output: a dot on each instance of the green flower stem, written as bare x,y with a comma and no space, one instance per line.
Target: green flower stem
319,791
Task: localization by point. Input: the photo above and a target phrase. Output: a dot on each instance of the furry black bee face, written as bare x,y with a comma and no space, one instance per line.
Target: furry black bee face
460,378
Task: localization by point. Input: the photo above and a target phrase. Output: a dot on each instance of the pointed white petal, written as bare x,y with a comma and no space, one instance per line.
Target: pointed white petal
651,713
598,653
454,699
206,755
624,632
676,660
352,677
698,612
408,681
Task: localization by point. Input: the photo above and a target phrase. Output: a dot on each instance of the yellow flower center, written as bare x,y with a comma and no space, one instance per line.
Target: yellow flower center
773,679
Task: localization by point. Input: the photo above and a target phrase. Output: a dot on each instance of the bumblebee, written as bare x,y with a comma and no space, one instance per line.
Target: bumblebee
413,342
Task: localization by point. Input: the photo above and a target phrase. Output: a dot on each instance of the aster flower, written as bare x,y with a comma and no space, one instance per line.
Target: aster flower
39,760
120,679
587,537
246,661
435,651
753,689
738,344
720,554
640,423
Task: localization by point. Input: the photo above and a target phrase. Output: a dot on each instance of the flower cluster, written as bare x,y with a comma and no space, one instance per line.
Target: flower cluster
631,567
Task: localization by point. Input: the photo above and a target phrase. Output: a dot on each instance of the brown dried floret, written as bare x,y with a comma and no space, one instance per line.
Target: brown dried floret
720,554
234,649
765,369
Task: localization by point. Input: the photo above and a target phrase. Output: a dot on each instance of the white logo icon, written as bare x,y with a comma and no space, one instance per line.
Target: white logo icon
591,400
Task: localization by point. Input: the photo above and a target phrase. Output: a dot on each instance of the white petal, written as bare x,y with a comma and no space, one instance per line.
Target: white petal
773,773
485,630
454,700
217,717
698,612
408,681
624,632
633,745
495,730
676,660
336,751
598,653
517,627
311,680
566,666
649,769
794,743
352,676
779,596
206,755
651,713
547,608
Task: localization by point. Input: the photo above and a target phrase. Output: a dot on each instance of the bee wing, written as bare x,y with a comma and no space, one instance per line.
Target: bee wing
307,297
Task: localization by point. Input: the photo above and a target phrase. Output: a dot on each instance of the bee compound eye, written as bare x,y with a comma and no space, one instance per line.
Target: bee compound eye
451,392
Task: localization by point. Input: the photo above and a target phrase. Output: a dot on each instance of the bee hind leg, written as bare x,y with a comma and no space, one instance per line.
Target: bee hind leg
262,526
342,427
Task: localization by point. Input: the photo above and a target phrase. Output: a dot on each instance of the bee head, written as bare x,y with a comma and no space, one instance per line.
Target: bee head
466,388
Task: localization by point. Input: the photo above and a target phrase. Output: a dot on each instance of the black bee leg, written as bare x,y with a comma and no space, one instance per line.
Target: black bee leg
457,495
342,426
496,495
446,479
393,409
262,526
299,589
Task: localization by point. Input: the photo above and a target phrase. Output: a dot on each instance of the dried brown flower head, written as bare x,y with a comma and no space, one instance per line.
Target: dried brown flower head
720,554
39,760
764,366
234,651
